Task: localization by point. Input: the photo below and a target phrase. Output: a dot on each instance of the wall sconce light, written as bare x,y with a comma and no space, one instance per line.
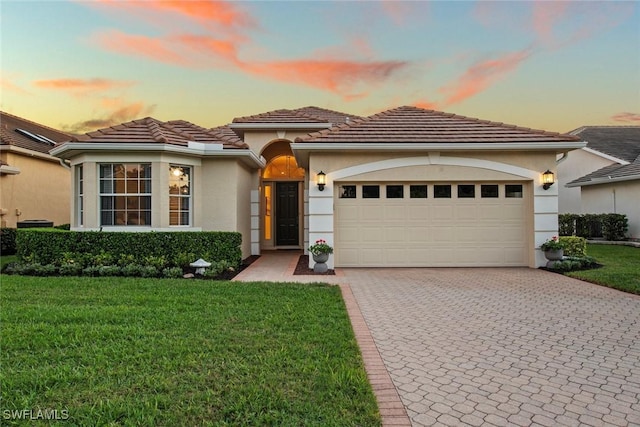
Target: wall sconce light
322,180
547,179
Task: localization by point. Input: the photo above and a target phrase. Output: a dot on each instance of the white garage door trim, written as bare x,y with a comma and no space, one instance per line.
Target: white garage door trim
545,203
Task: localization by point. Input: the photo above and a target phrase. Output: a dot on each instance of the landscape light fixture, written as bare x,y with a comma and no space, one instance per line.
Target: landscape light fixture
547,179
322,180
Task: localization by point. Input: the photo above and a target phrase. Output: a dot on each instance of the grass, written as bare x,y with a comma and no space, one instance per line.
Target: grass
163,352
621,267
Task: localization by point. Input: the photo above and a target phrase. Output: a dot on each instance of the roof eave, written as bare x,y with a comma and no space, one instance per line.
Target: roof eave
605,156
29,153
301,150
69,150
606,180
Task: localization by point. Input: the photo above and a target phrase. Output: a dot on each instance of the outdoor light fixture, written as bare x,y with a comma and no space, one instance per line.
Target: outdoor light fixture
547,179
322,181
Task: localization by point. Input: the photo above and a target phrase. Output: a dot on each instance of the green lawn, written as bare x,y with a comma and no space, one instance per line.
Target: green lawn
621,267
162,352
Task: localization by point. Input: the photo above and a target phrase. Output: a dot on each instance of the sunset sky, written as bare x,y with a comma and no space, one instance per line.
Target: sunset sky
82,65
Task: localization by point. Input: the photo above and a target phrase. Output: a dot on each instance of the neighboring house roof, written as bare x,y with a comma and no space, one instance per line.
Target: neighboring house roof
620,144
416,125
22,133
301,115
150,130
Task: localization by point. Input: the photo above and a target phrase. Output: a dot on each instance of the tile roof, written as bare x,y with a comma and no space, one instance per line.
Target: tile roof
12,132
301,115
150,130
410,124
622,142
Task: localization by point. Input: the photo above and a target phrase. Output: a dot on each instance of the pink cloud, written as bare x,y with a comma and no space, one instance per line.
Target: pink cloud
135,45
335,75
399,12
427,105
626,117
483,74
546,16
81,86
7,85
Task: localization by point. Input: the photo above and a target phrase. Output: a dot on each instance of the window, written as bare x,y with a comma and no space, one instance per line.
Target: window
80,187
488,191
125,194
418,191
513,191
347,191
395,191
442,191
179,195
370,191
466,191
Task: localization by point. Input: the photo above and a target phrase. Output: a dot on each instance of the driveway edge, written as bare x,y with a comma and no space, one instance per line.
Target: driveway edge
392,411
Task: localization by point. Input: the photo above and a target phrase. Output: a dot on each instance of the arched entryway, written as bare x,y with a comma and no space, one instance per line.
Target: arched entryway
282,212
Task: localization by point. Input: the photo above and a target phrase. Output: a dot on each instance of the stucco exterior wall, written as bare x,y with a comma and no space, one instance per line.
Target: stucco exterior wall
40,191
577,164
620,197
259,139
527,167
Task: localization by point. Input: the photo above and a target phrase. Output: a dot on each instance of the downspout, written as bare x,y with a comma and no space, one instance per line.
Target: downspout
563,158
64,164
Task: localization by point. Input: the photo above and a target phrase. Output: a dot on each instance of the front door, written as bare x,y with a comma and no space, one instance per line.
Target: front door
287,214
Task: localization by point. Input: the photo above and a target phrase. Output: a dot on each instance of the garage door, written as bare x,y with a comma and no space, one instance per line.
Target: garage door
431,224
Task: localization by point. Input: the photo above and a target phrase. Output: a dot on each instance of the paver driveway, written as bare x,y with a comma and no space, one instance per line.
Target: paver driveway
504,346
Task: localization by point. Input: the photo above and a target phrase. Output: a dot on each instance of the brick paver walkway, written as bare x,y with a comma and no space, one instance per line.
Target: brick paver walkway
504,346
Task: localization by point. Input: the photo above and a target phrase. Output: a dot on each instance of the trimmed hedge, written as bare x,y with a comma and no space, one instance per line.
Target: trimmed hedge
7,241
608,226
53,246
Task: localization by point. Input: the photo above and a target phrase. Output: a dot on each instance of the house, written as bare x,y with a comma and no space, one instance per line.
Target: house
604,176
33,184
405,187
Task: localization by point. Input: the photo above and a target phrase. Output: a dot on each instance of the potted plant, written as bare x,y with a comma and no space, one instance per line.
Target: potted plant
320,252
553,249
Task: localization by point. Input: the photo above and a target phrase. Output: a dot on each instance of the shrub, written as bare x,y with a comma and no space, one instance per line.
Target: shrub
148,271
70,269
7,241
574,246
610,226
63,227
572,263
132,270
109,270
47,245
158,262
91,271
614,226
172,272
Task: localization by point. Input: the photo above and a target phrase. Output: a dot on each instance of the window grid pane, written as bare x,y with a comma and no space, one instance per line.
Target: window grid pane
179,195
370,191
395,191
125,194
418,191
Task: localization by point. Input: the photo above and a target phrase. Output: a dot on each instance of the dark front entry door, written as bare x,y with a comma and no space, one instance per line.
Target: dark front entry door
286,213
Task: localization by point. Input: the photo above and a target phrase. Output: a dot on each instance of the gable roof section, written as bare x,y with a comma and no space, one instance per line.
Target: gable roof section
22,133
150,130
308,114
416,125
619,142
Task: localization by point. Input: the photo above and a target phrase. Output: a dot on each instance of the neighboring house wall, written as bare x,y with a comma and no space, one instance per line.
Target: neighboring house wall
578,163
619,197
39,191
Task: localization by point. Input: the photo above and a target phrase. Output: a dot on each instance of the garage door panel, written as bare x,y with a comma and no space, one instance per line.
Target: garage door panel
431,232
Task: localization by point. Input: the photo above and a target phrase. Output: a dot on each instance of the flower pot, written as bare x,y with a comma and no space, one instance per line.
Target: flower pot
320,257
554,255
320,265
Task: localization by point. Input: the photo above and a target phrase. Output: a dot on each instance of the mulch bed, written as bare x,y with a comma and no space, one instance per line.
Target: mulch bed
228,275
302,268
